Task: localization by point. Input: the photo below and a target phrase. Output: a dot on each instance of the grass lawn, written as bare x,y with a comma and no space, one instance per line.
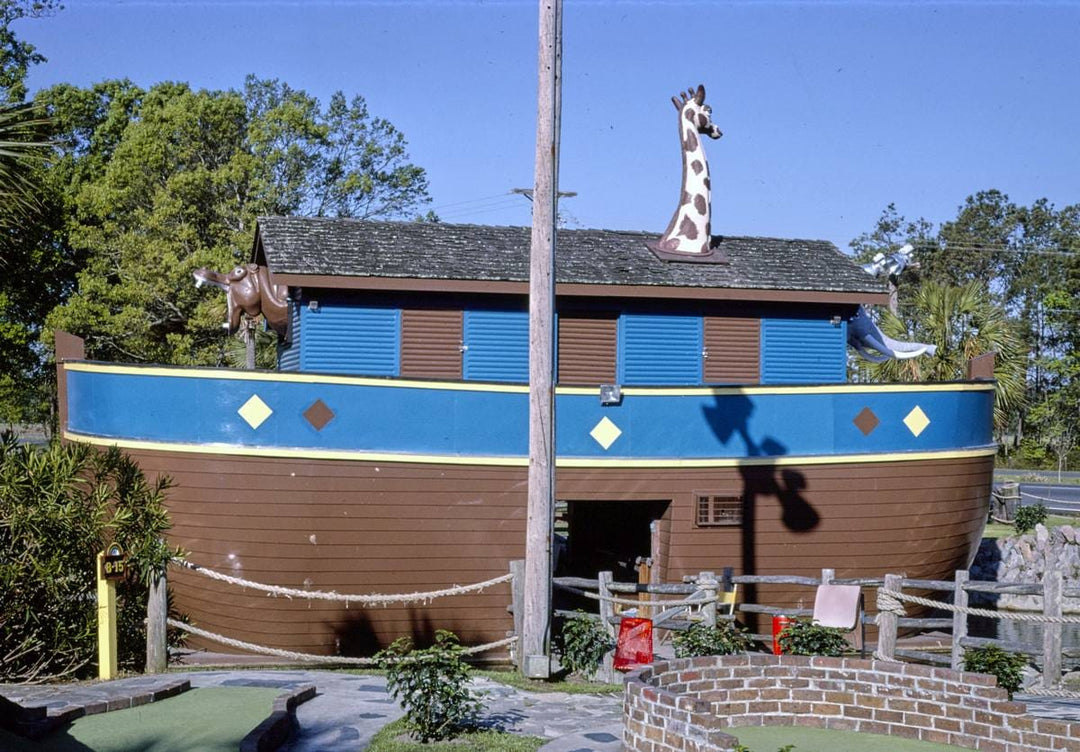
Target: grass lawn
480,741
772,738
998,530
200,720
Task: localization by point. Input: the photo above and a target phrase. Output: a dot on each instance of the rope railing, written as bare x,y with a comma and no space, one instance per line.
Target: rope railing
309,657
891,602
372,599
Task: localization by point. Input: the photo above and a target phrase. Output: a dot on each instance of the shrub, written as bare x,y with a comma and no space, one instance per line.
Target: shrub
990,659
701,639
1030,516
432,686
583,643
59,506
804,637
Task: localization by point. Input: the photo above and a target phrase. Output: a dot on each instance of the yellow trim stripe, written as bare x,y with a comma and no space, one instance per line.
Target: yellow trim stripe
469,386
569,462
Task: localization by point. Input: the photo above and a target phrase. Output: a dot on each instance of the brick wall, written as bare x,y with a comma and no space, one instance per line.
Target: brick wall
697,704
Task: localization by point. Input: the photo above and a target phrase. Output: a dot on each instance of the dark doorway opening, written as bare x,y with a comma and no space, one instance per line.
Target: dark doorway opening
598,536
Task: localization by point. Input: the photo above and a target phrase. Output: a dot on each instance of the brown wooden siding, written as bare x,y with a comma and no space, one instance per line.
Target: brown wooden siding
348,527
922,518
394,527
733,347
587,348
431,343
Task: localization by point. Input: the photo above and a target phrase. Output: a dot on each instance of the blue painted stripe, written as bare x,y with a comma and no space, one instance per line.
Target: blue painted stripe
414,419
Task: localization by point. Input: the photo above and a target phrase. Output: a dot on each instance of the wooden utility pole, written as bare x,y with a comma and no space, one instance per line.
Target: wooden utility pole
536,629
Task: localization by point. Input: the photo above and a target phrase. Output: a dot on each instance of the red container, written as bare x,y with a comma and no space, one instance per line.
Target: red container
634,647
778,625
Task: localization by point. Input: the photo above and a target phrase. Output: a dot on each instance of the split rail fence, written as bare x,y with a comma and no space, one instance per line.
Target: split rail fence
701,600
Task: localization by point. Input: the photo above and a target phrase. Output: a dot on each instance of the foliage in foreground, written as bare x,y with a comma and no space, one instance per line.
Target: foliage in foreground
59,506
1030,516
432,686
701,639
387,740
1008,668
582,644
802,637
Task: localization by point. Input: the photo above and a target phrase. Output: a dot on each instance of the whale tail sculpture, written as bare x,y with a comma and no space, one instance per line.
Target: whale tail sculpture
872,344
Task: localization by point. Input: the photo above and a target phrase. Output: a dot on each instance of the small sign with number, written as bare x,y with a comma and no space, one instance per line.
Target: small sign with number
113,563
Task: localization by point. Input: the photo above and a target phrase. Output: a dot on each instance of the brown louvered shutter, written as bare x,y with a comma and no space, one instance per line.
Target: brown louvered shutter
733,350
431,344
587,347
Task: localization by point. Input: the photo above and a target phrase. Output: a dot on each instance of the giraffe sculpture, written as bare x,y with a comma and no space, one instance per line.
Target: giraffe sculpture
689,234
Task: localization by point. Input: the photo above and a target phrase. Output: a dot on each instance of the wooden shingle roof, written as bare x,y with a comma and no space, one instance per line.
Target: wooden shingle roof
301,250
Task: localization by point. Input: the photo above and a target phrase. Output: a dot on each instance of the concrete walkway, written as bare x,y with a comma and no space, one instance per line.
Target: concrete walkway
349,709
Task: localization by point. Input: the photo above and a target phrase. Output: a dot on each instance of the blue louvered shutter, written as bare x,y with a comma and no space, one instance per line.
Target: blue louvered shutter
289,357
660,349
496,346
803,351
343,338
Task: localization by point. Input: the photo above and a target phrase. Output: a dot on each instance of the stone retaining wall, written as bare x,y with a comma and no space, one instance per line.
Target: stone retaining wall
697,704
1025,558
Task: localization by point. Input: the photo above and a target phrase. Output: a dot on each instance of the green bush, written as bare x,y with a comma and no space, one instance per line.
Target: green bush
724,639
803,637
59,506
1030,516
583,642
990,659
432,686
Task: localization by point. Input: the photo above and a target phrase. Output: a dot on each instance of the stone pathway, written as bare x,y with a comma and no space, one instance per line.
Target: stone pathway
349,709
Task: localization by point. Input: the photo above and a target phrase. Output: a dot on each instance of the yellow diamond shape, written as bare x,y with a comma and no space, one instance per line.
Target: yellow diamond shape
255,411
916,421
605,432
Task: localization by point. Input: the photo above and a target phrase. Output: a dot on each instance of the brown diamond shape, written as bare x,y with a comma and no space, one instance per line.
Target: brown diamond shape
318,415
866,421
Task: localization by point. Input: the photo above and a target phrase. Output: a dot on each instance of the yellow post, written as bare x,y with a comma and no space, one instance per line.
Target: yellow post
106,610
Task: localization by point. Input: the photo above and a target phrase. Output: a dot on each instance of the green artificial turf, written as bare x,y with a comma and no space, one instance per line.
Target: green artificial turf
772,738
392,739
200,720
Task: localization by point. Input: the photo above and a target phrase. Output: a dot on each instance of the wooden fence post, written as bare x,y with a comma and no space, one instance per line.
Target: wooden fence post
887,621
959,619
607,608
517,603
706,581
157,612
1052,586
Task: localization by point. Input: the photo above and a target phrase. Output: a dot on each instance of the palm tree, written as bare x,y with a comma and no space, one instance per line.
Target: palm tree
963,322
22,146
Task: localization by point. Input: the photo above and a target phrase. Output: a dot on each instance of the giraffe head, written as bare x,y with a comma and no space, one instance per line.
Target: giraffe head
691,106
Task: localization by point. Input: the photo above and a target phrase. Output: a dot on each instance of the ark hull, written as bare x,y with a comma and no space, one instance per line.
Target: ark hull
347,507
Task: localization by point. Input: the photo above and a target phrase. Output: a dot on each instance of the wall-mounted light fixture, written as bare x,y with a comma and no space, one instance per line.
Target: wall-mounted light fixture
610,394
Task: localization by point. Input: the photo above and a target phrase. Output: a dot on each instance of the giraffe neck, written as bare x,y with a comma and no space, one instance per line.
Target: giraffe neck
690,227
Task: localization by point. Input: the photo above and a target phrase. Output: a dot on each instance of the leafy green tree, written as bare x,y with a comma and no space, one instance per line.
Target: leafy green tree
17,55
963,322
166,180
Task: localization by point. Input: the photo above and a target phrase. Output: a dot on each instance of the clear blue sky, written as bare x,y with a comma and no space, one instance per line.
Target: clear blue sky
830,110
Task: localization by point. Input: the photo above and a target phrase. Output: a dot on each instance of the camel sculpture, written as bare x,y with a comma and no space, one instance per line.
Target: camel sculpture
689,234
249,291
